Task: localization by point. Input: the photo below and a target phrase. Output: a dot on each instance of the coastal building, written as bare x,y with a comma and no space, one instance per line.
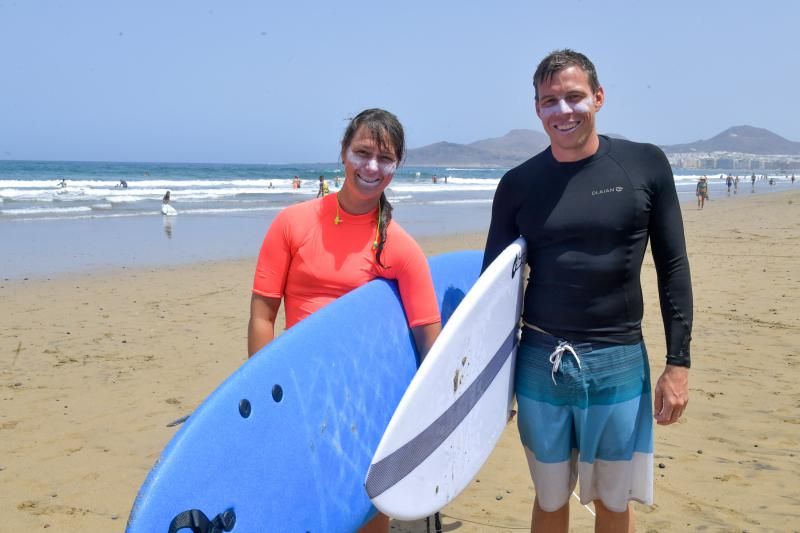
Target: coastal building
733,161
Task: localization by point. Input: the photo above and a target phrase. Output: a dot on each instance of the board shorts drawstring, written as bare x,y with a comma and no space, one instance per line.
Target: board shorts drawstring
555,358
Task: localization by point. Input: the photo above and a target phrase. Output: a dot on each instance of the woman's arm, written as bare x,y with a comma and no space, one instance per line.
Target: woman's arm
261,328
424,336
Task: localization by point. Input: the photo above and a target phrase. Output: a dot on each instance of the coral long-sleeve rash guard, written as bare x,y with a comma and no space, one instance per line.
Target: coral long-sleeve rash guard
309,261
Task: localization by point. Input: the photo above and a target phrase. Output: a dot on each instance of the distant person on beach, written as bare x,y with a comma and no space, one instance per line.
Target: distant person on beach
434,179
587,207
701,191
62,183
323,187
166,208
296,182
355,229
736,185
336,181
123,184
753,182
792,179
729,183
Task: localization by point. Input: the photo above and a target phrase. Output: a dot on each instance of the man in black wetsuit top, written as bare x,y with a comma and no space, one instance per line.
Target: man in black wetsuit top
587,206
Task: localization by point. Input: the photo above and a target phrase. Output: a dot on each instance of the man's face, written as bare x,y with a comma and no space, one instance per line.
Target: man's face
566,107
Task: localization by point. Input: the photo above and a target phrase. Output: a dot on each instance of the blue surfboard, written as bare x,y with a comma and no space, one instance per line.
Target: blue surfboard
285,442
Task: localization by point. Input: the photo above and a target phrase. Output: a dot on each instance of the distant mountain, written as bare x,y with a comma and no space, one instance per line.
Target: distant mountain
509,150
517,146
744,139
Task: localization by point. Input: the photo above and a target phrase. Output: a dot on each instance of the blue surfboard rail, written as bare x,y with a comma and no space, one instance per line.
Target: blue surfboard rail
285,442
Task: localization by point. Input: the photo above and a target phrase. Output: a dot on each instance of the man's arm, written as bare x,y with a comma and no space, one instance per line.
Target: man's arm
503,226
668,246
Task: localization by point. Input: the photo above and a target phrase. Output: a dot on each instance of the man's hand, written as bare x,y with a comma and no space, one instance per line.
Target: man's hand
671,394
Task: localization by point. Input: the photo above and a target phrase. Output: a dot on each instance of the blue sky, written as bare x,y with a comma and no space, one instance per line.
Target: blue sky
272,82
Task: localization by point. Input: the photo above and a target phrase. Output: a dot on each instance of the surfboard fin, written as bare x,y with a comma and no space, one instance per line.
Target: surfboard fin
437,523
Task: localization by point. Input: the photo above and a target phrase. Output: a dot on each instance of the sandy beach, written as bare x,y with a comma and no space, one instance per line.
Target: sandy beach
94,365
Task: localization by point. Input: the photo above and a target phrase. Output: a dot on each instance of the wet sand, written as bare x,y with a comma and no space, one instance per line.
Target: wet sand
92,367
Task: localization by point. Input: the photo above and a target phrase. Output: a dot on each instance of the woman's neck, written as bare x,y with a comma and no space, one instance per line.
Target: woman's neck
354,206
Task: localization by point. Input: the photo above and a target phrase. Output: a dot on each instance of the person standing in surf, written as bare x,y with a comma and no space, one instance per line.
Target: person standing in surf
321,249
587,206
323,187
701,191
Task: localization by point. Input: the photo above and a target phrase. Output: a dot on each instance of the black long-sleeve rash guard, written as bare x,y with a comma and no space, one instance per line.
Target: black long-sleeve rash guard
587,225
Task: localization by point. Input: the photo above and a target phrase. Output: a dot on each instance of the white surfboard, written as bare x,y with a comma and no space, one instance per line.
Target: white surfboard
453,412
168,210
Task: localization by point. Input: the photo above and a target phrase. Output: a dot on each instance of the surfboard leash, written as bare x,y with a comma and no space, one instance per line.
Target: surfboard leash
584,504
488,525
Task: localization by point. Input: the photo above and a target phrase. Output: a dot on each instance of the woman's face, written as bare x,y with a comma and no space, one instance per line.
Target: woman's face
368,168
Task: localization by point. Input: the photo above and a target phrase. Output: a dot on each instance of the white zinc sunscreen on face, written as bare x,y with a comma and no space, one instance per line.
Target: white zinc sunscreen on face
371,164
562,107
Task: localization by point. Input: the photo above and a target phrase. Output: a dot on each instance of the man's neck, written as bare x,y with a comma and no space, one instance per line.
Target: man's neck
588,149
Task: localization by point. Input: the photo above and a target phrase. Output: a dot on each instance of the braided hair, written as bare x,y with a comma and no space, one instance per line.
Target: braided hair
388,133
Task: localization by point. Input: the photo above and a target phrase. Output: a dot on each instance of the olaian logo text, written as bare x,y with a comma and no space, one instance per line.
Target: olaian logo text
606,191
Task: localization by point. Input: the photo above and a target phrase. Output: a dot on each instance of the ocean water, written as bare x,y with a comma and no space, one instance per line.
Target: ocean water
29,190
92,222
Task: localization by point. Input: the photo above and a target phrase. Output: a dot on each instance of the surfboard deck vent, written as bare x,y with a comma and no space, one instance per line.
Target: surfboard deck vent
245,408
277,393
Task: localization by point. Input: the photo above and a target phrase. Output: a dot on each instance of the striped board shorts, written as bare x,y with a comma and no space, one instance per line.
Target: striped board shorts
585,414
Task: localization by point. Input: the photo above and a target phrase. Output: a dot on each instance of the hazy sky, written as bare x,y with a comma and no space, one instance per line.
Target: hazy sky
274,81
